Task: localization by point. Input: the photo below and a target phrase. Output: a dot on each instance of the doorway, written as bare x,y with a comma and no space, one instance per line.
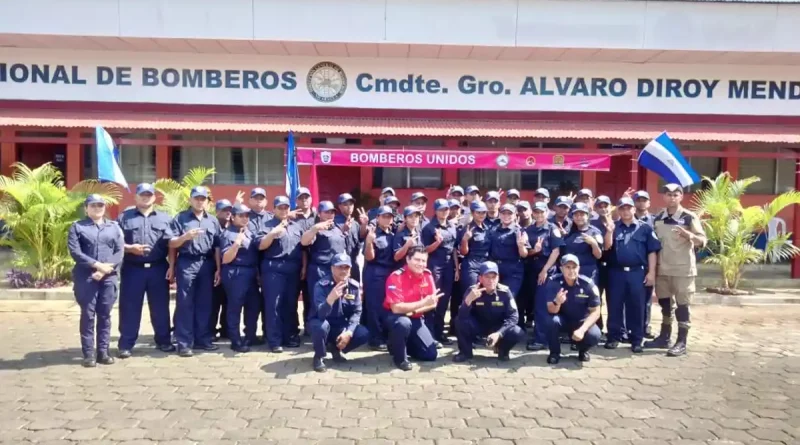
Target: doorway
334,181
35,155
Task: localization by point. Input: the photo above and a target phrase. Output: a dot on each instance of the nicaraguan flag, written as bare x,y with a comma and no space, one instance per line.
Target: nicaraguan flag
292,176
662,156
108,159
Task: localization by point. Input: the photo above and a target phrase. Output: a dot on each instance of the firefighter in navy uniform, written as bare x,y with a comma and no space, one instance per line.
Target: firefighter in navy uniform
219,297
488,310
378,264
439,238
642,201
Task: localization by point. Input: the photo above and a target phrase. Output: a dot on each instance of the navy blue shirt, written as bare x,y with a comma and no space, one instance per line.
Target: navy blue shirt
352,237
307,221
400,240
383,247
648,219
443,255
632,244
566,225
327,243
581,296
480,243
551,240
247,255
89,243
492,222
152,230
503,243
285,247
204,244
258,219
575,244
344,312
495,312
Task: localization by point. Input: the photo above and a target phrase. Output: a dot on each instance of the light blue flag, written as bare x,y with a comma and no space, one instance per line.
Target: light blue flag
108,159
292,175
662,156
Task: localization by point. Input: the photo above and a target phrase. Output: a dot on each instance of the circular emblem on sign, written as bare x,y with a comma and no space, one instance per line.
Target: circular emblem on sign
530,161
558,160
326,82
502,160
326,157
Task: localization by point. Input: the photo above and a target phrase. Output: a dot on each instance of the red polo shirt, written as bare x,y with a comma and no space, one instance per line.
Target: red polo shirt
402,286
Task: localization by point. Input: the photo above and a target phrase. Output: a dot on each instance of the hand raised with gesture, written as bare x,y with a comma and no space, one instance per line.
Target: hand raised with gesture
280,229
370,234
363,218
522,238
561,296
474,294
323,225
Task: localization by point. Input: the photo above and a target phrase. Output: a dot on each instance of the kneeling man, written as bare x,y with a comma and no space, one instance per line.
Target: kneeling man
574,304
410,292
335,314
489,310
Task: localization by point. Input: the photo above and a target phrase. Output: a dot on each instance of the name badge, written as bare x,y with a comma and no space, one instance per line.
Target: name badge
349,297
581,296
497,303
479,303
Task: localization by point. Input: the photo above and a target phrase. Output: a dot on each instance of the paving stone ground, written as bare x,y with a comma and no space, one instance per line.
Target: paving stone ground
739,385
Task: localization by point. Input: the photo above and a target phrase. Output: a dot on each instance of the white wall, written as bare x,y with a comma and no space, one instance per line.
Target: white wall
530,23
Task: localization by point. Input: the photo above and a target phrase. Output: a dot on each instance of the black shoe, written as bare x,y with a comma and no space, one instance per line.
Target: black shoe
503,356
461,358
584,356
243,349
89,362
662,341
338,357
209,347
533,346
124,353
185,353
319,365
381,347
405,365
553,359
166,348
677,350
445,340
637,349
612,344
293,342
105,359
276,350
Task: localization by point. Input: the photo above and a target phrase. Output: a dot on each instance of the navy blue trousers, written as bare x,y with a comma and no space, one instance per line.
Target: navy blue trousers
374,295
443,276
470,327
409,337
324,333
559,325
136,280
511,275
626,299
195,279
279,281
241,289
96,299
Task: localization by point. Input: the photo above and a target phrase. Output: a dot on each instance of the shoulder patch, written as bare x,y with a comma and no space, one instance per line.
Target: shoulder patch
399,271
355,283
503,287
324,282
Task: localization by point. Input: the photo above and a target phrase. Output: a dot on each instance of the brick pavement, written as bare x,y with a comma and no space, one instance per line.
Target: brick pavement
739,385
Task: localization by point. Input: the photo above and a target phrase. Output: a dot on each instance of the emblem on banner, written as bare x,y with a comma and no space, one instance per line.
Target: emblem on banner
326,82
558,160
325,157
530,161
502,160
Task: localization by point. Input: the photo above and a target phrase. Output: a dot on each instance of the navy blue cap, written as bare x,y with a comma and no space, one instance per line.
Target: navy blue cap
344,197
602,199
239,209
418,195
472,189
488,267
258,191
454,203
641,194
579,207
563,201
410,210
625,202
341,259
456,189
512,192
508,208
385,210
390,199
541,207
492,195
223,204
388,190
200,191
145,187
325,206
94,198
280,201
585,192
525,205
478,206
441,204
672,187
570,258
544,192
303,191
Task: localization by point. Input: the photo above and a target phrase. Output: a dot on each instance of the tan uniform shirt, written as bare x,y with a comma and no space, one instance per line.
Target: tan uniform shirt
677,255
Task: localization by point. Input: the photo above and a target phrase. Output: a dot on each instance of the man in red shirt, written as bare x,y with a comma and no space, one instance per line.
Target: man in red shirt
410,292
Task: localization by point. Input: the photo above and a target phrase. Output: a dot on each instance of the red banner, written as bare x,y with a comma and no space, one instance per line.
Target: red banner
452,159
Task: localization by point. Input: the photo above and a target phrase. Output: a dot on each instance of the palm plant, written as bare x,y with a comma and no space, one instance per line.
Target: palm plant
732,229
175,195
38,211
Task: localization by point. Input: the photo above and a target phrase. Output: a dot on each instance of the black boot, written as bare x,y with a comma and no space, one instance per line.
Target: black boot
679,348
104,358
662,341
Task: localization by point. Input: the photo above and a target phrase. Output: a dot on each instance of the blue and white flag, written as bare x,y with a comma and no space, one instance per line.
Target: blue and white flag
292,175
662,156
108,159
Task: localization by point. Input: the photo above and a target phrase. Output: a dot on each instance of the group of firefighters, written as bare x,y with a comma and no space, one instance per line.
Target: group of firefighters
499,265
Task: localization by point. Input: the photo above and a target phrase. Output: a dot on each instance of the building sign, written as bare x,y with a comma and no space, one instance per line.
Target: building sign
412,84
452,159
